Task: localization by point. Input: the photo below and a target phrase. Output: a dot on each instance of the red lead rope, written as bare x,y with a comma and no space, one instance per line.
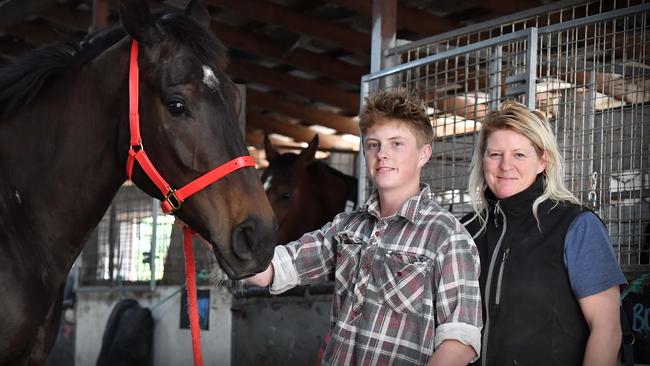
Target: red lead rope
190,280
174,198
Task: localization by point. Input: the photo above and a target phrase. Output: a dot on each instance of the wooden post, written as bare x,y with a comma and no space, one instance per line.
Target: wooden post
100,15
384,19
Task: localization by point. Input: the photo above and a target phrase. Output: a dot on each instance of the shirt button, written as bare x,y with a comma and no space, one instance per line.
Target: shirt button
377,233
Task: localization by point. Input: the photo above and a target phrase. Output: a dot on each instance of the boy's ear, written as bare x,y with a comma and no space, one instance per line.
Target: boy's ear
425,155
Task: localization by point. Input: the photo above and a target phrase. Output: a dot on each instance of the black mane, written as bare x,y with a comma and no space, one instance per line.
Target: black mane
22,80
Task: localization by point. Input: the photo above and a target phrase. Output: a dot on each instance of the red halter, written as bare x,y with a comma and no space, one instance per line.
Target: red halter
174,198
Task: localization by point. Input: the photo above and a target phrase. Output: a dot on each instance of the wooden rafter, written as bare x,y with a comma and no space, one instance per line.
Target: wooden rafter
297,132
294,21
412,19
506,7
73,19
305,113
255,138
300,58
34,34
15,11
311,89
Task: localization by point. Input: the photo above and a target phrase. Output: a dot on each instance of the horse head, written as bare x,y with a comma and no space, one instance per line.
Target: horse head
304,192
189,126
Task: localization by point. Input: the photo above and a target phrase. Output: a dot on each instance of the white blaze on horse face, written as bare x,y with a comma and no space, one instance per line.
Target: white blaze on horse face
267,183
209,78
20,202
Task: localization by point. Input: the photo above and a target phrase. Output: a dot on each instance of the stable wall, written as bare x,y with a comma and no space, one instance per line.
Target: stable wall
172,345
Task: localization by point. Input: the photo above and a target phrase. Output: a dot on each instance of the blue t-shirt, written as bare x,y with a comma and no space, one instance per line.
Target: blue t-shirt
589,257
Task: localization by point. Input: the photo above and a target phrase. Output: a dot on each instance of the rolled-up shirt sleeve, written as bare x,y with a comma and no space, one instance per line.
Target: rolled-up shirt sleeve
285,275
458,300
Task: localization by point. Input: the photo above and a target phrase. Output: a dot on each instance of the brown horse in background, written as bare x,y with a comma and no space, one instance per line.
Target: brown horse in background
64,128
305,193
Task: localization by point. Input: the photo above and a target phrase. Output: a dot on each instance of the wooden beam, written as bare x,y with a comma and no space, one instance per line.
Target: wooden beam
300,58
294,21
296,132
506,7
305,113
100,14
255,137
415,20
34,34
15,11
65,16
388,18
10,49
347,101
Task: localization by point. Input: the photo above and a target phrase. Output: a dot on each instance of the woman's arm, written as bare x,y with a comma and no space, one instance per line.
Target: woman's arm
601,311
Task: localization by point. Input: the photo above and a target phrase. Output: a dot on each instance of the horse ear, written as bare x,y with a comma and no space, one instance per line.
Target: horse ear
308,155
198,11
137,20
271,153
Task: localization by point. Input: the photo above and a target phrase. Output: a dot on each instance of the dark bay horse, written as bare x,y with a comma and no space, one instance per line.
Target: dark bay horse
305,193
65,134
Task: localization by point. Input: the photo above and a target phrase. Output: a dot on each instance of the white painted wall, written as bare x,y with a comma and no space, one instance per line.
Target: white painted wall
172,345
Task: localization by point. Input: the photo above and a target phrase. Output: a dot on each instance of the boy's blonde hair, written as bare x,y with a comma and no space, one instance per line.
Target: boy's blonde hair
514,116
397,104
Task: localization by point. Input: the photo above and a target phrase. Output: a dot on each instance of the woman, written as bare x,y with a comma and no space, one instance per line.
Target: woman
549,278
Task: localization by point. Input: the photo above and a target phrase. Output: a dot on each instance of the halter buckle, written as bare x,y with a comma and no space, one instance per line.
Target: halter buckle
171,202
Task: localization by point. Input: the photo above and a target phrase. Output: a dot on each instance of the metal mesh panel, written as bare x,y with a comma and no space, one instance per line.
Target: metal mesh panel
589,74
554,13
594,84
119,250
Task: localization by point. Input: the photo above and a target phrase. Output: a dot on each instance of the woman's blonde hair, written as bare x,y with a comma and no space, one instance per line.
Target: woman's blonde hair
514,116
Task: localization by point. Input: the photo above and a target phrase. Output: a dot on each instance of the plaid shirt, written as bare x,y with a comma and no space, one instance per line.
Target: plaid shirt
404,283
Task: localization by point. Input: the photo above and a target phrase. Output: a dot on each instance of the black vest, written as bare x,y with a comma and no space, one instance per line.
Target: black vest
531,316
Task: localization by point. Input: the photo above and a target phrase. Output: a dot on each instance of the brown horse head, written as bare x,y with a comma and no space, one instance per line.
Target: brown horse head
305,193
189,110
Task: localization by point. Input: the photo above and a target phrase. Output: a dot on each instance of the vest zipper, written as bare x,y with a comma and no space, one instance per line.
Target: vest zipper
500,278
486,332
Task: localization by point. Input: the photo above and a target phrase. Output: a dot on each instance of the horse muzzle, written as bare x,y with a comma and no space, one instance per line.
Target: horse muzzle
253,242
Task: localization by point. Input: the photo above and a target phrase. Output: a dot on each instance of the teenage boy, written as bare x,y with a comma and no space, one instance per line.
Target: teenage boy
406,271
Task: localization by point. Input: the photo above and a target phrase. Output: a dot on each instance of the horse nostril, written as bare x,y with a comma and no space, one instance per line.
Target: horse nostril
243,240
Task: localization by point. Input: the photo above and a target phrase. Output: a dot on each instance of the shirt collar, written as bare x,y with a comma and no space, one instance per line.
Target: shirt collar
409,210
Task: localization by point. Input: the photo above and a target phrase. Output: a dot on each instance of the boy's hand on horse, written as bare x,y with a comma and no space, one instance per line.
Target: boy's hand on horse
262,279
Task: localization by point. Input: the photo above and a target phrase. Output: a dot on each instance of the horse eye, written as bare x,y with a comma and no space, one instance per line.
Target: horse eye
176,108
286,195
